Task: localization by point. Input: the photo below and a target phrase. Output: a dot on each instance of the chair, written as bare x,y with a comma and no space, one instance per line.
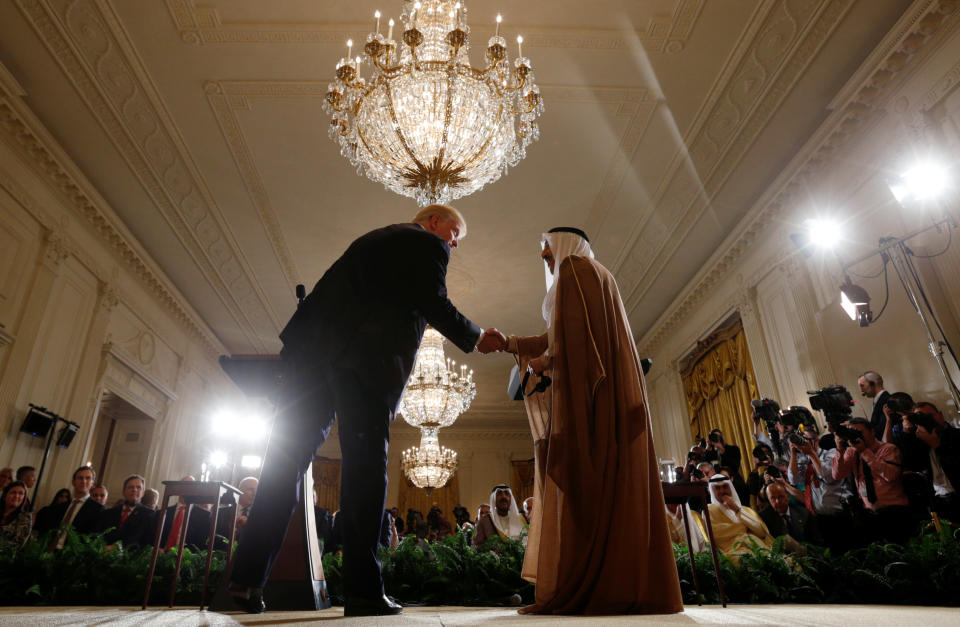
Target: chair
192,493
678,493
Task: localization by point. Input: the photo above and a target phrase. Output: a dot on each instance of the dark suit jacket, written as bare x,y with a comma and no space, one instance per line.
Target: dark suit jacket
198,529
369,310
137,530
878,420
802,526
84,522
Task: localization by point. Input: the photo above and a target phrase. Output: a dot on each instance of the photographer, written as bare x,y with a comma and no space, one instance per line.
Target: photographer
825,496
943,444
726,455
895,408
762,458
876,469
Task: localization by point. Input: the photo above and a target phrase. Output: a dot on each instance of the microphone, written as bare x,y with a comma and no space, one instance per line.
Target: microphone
301,293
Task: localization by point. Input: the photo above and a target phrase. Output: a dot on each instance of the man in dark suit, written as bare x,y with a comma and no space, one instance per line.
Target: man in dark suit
198,526
348,351
871,386
131,523
80,512
784,519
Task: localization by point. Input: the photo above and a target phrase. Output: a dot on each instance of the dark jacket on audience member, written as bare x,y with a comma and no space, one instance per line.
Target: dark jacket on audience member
198,529
137,530
801,526
85,521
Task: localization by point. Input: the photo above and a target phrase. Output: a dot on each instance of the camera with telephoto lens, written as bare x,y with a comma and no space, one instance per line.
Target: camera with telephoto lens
766,410
773,472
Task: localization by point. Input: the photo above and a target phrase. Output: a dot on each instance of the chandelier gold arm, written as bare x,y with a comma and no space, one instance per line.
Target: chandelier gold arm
396,125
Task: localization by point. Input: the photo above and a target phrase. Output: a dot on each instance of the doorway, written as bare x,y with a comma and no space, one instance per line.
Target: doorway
121,443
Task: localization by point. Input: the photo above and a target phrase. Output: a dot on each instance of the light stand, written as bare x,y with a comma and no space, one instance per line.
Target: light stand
896,251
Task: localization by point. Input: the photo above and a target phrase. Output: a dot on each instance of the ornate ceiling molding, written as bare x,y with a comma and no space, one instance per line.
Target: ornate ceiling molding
22,131
201,24
86,38
915,31
790,36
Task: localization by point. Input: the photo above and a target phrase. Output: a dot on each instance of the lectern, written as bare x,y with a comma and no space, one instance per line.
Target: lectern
296,581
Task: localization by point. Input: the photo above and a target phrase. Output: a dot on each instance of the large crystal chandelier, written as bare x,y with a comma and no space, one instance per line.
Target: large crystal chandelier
429,465
436,394
425,122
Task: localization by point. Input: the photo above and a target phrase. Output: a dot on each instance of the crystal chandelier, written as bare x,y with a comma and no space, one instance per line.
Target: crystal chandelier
425,123
429,465
436,394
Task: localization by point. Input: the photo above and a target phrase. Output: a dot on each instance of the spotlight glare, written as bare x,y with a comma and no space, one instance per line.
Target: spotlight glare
218,459
926,180
251,461
823,232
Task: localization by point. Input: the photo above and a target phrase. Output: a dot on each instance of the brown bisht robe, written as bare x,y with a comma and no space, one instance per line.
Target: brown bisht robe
599,541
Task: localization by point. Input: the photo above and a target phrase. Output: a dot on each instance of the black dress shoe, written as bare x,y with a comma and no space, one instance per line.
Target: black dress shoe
382,606
250,600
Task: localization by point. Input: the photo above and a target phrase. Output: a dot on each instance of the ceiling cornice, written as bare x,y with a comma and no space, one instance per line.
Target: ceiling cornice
115,85
905,43
21,129
202,24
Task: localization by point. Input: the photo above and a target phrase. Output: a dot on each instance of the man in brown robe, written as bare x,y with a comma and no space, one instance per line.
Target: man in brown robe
599,541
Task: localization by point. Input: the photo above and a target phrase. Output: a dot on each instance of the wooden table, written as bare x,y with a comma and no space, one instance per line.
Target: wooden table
193,493
678,493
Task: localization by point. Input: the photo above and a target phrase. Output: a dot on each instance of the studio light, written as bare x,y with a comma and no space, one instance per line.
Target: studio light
856,302
251,461
218,459
923,182
822,232
221,422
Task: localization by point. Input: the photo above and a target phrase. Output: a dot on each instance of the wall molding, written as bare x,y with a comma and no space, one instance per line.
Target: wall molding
115,85
916,30
27,136
202,24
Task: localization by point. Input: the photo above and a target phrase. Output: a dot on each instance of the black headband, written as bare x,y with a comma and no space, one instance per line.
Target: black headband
569,229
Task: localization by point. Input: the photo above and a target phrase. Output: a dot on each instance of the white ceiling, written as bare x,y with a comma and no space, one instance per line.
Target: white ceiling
201,124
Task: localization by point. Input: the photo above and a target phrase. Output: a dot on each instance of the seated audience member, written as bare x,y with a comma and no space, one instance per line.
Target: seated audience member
40,521
461,515
15,523
785,519
324,519
735,526
81,513
131,523
943,443
483,510
876,469
99,494
423,531
150,498
398,520
678,534
528,508
248,488
198,525
28,475
825,496
707,470
6,477
414,518
388,531
504,520
438,522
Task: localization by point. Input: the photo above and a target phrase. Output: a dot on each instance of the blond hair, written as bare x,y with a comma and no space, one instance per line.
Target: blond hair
445,213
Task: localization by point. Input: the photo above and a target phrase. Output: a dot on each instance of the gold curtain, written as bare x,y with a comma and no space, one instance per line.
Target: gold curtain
326,482
522,485
719,383
446,498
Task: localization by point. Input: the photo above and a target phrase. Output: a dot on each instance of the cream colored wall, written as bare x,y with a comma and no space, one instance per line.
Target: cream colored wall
799,337
84,310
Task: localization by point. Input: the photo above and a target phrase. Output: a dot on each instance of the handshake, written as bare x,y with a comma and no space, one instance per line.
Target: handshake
492,340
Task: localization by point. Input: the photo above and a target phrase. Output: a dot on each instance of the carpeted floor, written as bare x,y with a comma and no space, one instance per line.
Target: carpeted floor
817,615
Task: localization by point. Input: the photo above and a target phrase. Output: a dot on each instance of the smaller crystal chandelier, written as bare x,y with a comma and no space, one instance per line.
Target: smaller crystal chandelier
429,465
436,394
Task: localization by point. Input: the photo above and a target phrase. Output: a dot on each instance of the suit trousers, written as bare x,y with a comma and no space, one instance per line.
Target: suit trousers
310,402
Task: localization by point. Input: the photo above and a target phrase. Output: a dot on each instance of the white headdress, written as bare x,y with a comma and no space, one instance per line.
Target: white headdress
562,244
733,494
511,525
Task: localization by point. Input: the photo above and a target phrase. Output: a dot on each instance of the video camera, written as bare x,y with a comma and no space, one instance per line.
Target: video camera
834,401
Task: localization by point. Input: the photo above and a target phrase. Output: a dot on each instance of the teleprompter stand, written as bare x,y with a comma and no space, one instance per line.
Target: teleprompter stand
296,581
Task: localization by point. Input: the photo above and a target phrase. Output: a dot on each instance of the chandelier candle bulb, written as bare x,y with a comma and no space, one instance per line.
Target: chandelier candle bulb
499,19
519,45
390,31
